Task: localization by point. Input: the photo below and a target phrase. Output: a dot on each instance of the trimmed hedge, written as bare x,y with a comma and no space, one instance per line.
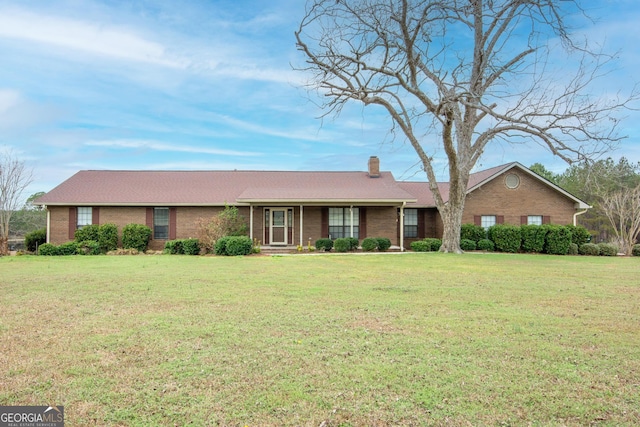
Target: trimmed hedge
34,239
507,238
108,237
68,248
89,247
558,240
324,244
573,249
233,246
533,238
472,232
434,243
467,245
383,243
88,232
369,244
420,246
579,234
182,247
607,249
136,236
342,244
47,249
635,251
428,244
589,249
192,246
353,243
485,245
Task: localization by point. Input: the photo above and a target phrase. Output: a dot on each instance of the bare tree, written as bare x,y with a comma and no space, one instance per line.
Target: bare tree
622,208
458,75
14,179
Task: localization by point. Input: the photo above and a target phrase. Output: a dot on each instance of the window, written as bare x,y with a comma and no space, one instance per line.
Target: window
487,221
411,223
340,222
512,181
534,220
85,216
161,223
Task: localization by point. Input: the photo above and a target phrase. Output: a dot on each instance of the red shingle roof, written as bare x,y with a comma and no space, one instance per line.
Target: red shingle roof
202,188
217,188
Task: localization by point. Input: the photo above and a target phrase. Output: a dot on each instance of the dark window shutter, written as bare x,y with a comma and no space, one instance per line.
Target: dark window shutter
95,215
172,223
421,224
73,222
477,220
524,220
363,223
324,222
499,219
150,219
546,220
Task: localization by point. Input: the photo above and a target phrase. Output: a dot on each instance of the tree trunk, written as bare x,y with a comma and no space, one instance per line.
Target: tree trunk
451,214
4,246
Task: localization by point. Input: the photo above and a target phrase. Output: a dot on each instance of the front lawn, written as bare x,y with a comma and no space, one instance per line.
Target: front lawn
333,340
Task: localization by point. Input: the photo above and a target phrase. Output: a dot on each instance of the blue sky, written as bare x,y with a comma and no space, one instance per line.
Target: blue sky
208,85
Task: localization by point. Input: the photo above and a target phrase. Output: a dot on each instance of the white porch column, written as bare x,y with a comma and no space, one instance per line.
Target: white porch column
301,221
351,221
251,222
48,224
402,227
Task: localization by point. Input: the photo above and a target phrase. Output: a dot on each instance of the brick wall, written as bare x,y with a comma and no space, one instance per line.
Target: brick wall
531,197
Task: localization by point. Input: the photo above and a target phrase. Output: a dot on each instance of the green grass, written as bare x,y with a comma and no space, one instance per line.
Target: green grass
415,339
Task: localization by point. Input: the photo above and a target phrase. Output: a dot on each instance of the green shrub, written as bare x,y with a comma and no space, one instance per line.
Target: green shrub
89,247
34,239
173,247
88,232
108,237
192,247
433,243
383,243
573,249
220,247
507,238
607,249
589,249
136,236
48,249
324,244
579,234
420,246
467,245
533,238
68,248
558,239
239,245
341,244
485,245
353,243
472,232
233,246
635,251
369,244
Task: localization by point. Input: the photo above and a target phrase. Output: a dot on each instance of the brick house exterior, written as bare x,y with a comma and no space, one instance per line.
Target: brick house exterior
295,208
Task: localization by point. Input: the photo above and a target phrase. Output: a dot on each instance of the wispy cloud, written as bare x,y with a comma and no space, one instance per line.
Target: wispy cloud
85,36
162,146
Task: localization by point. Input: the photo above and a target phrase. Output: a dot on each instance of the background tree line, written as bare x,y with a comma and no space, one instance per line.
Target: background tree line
612,189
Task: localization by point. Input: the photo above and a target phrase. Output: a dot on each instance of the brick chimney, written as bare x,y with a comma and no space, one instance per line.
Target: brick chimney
374,167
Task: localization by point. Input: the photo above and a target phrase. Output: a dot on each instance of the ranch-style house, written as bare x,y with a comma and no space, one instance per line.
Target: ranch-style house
286,208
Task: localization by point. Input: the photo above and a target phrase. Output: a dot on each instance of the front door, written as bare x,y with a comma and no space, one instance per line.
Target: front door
278,227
